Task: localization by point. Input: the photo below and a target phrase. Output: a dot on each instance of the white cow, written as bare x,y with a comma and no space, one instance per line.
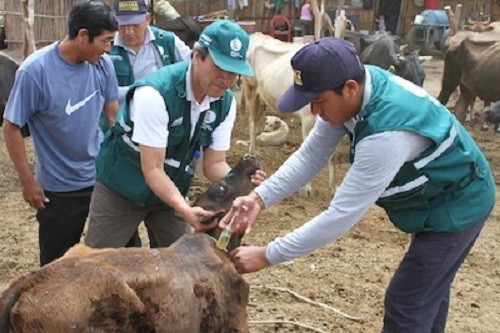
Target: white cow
270,60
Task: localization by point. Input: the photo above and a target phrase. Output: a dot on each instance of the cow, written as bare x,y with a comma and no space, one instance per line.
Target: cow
191,286
8,68
492,115
270,61
384,52
457,63
187,29
471,62
2,38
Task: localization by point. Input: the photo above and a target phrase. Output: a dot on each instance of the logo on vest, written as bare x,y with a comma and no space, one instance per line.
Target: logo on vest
210,117
177,122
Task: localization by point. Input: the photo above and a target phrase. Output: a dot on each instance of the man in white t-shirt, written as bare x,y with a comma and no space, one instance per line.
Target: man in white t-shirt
146,163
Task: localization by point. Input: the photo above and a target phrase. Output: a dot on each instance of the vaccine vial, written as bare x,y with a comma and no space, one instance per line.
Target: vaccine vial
225,235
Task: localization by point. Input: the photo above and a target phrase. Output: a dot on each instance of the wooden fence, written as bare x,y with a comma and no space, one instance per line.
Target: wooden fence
51,15
49,24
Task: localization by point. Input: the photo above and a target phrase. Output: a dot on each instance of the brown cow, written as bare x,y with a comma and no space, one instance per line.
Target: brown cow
471,62
191,286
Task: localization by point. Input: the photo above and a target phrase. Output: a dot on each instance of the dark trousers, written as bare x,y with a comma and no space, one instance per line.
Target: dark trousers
135,241
418,295
61,222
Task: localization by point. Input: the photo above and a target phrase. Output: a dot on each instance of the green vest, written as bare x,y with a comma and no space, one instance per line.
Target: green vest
164,43
118,163
449,186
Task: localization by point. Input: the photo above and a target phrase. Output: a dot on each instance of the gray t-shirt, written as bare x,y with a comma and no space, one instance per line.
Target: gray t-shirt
62,103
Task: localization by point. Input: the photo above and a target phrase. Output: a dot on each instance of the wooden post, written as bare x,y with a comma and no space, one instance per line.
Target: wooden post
29,19
453,18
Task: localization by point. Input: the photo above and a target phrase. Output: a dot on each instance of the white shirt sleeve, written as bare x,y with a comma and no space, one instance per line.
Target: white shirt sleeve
379,157
150,117
182,51
222,134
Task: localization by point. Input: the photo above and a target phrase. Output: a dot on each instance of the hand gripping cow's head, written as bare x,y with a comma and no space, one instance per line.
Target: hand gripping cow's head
219,196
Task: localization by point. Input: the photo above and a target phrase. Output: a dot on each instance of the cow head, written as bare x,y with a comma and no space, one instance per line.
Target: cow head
219,196
410,67
492,113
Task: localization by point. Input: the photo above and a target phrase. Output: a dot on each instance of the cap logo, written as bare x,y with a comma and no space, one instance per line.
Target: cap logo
235,45
132,6
205,39
297,77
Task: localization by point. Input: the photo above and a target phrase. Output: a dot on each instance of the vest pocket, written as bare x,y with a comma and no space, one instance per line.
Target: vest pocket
407,212
118,167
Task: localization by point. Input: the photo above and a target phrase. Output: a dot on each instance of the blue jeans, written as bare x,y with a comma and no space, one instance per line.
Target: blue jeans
417,298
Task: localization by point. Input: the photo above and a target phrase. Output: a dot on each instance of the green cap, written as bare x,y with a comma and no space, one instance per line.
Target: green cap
227,44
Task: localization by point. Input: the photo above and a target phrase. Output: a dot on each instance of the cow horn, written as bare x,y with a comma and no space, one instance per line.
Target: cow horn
403,47
392,69
470,22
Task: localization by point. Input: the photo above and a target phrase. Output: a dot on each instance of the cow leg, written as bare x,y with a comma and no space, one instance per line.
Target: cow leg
497,128
470,112
307,120
251,103
484,125
464,101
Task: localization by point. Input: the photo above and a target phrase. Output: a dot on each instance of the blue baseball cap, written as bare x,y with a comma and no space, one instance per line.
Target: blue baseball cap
130,12
319,66
227,44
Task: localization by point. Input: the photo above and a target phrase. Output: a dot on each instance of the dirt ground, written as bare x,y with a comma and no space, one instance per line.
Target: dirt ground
349,275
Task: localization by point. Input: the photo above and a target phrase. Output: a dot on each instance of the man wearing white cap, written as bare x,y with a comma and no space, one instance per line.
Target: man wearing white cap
146,163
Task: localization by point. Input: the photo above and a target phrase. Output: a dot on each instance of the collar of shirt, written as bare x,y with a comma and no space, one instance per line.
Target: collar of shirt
351,123
205,103
368,88
150,36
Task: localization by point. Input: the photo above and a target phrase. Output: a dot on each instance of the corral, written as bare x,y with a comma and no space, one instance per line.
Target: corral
349,275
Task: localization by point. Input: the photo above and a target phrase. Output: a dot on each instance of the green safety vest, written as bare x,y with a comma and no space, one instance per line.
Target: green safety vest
165,44
449,186
118,163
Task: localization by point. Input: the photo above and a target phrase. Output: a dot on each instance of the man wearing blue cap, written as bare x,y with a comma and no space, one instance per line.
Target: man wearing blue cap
409,155
140,49
146,163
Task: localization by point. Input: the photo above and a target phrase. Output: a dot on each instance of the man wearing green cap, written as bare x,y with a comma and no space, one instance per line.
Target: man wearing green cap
146,162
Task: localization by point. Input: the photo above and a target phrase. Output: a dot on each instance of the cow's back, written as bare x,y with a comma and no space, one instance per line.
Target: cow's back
189,287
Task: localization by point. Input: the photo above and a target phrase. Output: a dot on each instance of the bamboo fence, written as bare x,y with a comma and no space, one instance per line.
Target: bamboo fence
51,15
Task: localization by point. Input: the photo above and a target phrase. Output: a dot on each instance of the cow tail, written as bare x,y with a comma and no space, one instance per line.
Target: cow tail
7,301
